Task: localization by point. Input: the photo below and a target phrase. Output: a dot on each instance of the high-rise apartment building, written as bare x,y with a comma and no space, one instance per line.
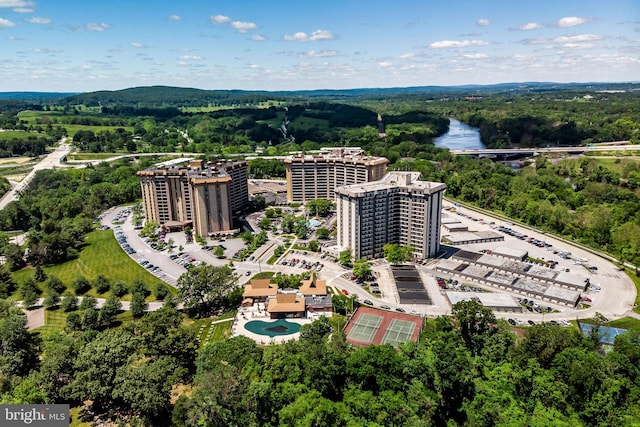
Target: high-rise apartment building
203,196
312,177
396,209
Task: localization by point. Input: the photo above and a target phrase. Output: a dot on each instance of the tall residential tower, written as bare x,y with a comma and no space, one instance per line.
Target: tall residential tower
312,177
203,196
397,209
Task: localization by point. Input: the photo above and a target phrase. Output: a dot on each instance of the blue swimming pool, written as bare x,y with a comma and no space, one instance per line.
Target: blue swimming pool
272,329
313,223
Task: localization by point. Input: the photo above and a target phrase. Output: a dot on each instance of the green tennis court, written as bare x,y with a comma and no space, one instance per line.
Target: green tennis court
398,331
365,328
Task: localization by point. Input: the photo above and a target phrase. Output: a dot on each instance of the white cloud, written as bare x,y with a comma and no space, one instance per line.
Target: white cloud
243,27
190,58
19,6
38,20
484,22
138,45
475,56
258,38
529,26
571,21
92,26
174,17
220,19
319,54
444,44
577,46
297,36
5,23
578,38
316,35
384,64
46,50
406,55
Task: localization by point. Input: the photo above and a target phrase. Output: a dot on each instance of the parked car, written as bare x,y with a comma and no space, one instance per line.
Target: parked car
386,307
346,292
368,302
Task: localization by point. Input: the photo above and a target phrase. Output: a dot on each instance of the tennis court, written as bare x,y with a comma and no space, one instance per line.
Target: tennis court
399,331
607,333
365,328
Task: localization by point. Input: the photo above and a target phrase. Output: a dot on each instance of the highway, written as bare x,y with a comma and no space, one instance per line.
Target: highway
621,146
50,161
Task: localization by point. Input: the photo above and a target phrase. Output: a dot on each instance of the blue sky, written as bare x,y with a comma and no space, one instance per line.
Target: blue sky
67,45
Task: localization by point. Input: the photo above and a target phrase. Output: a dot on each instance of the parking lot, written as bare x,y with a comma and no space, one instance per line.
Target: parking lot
611,292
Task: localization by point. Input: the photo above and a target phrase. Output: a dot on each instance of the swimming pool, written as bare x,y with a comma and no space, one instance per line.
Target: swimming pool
313,223
272,329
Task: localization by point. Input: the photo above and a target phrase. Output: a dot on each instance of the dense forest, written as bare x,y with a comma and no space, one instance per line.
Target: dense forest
469,369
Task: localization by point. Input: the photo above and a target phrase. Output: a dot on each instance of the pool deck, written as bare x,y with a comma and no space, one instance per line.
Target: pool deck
257,312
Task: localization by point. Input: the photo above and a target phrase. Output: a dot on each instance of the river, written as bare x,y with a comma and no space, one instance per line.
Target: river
460,137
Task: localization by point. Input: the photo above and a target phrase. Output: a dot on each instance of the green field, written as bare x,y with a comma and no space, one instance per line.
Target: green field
94,156
101,256
73,129
636,281
43,118
625,323
16,134
207,333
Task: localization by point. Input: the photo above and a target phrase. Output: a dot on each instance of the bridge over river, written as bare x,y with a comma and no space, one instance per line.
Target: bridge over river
510,153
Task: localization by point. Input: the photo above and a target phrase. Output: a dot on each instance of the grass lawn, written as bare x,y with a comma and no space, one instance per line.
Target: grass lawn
625,323
17,134
102,255
93,156
206,332
74,413
636,281
73,129
54,321
263,275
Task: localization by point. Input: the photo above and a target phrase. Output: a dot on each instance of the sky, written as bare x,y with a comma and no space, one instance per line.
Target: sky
89,45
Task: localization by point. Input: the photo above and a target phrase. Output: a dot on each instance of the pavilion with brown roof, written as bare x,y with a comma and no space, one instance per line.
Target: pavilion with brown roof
286,305
313,286
260,289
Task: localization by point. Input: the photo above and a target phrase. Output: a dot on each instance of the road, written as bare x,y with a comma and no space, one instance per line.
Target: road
621,146
50,161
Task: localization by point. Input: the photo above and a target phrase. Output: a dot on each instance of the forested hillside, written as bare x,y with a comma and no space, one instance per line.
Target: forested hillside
466,370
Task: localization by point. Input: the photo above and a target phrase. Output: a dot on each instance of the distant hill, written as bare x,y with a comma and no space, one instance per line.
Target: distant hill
36,96
164,96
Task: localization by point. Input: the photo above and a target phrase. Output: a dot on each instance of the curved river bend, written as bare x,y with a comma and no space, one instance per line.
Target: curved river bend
460,137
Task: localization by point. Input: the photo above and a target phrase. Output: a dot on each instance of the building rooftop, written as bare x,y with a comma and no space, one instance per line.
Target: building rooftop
313,286
260,288
286,303
487,299
337,154
403,181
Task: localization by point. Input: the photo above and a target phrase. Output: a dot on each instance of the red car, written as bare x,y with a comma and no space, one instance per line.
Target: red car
344,291
587,299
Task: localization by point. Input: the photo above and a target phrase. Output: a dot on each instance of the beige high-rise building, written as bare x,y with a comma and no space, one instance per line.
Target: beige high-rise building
398,209
312,177
203,196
